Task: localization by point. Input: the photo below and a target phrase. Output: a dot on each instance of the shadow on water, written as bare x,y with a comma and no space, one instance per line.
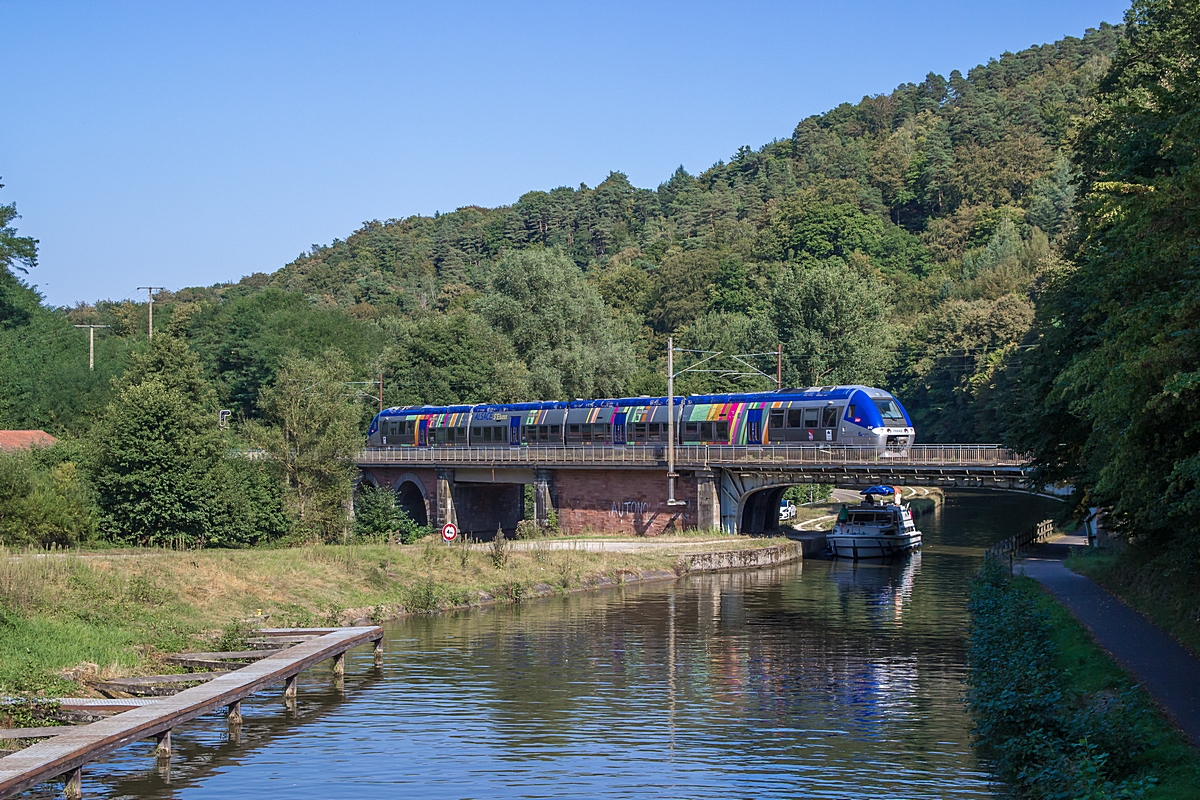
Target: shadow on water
814,679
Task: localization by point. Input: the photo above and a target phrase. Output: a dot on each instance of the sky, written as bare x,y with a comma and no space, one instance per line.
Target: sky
186,144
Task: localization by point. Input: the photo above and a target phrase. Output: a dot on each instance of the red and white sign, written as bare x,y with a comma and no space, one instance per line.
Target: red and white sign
449,532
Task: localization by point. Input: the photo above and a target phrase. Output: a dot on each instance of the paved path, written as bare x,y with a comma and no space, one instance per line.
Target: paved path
1169,672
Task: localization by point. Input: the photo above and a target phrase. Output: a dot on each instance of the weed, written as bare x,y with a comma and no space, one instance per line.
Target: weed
500,551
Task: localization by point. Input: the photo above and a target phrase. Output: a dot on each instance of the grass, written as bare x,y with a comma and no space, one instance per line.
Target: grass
1089,670
1160,586
117,612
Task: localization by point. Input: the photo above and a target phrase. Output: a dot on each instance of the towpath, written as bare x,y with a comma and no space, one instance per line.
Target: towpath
1169,672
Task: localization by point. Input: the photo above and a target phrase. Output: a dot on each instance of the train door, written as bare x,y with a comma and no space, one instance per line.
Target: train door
514,430
754,426
829,422
423,433
619,429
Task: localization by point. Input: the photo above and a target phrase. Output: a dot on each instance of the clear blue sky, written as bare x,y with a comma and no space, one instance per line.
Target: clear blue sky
182,144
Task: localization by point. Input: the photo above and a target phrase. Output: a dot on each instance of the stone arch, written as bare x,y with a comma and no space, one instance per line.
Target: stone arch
410,496
760,510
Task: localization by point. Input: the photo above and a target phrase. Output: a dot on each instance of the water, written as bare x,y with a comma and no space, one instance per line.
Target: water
820,679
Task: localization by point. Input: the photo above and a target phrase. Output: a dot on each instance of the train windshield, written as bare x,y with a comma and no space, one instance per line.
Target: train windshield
890,412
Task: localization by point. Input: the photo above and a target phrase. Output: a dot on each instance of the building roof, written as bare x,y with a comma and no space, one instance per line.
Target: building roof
25,440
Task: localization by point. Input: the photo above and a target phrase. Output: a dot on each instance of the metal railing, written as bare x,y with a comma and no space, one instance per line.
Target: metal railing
924,455
1013,546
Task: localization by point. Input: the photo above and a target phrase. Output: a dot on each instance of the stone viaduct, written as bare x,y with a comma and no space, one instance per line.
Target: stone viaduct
624,489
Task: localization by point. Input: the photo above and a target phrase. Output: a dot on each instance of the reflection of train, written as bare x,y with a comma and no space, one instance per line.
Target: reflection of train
824,415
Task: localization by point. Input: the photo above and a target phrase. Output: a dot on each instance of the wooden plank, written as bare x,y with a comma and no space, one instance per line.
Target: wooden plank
33,733
49,759
156,680
217,660
296,631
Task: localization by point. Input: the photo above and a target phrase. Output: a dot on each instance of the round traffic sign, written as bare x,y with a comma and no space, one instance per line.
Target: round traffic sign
449,532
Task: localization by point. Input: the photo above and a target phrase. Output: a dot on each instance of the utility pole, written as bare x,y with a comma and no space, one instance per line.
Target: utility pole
671,476
91,343
381,391
150,292
779,365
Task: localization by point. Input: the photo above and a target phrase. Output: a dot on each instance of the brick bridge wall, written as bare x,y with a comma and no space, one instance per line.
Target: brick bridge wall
623,501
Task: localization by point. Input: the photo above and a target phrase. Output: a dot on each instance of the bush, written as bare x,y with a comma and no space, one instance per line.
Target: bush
1045,739
378,518
45,501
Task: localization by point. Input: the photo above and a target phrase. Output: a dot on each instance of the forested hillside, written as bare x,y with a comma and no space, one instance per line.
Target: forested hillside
895,241
904,241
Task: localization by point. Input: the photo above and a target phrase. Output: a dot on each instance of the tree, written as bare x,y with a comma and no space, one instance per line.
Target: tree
1108,395
558,324
311,434
16,252
833,325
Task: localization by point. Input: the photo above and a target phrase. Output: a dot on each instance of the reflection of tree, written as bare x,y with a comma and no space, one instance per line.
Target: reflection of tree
733,657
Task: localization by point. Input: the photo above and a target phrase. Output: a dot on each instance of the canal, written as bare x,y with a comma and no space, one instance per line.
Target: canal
817,679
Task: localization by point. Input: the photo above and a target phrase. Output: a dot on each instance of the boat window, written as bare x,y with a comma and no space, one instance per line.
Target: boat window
890,412
776,420
795,418
810,417
830,416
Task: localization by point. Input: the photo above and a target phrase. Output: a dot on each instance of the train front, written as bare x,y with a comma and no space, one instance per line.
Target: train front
884,421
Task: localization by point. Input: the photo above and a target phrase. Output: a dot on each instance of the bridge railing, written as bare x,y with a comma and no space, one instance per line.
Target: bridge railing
925,455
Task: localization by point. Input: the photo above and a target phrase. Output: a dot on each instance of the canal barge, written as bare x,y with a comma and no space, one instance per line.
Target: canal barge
878,527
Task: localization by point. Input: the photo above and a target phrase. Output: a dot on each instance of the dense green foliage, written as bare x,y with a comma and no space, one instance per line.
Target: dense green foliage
45,500
1046,735
377,518
1108,393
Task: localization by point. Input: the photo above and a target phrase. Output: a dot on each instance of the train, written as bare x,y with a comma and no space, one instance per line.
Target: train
861,416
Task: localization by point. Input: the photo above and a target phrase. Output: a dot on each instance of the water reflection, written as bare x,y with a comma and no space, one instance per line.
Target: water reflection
821,679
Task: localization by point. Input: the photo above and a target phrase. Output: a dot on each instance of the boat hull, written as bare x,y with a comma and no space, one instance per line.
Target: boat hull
851,545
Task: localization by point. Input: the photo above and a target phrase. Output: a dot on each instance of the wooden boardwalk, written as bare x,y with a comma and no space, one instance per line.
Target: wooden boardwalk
73,746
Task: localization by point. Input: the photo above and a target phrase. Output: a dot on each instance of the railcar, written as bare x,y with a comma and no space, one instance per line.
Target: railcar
816,416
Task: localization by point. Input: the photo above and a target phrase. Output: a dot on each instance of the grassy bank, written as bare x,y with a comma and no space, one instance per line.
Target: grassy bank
1163,586
118,612
1055,715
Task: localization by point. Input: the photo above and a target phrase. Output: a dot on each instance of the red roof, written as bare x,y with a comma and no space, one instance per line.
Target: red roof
25,440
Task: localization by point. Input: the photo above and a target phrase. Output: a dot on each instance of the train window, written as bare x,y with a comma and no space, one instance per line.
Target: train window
476,433
500,434
850,413
487,434
543,432
829,416
658,431
587,433
462,433
811,415
890,412
706,431
776,420
450,435
691,428
556,431
722,431
795,418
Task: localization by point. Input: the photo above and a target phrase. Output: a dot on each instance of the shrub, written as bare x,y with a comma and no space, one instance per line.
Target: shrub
1044,739
45,501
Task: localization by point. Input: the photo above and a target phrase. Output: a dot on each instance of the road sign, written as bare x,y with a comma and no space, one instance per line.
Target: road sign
449,532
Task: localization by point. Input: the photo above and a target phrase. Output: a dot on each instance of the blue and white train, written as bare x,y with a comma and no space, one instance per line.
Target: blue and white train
818,416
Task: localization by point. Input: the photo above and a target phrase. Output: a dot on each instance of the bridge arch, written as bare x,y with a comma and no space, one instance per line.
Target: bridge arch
411,497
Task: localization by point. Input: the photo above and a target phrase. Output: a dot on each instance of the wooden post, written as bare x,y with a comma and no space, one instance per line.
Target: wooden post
339,664
163,749
379,652
289,688
73,784
234,717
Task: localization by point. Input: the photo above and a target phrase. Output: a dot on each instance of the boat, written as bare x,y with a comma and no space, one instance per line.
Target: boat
880,526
